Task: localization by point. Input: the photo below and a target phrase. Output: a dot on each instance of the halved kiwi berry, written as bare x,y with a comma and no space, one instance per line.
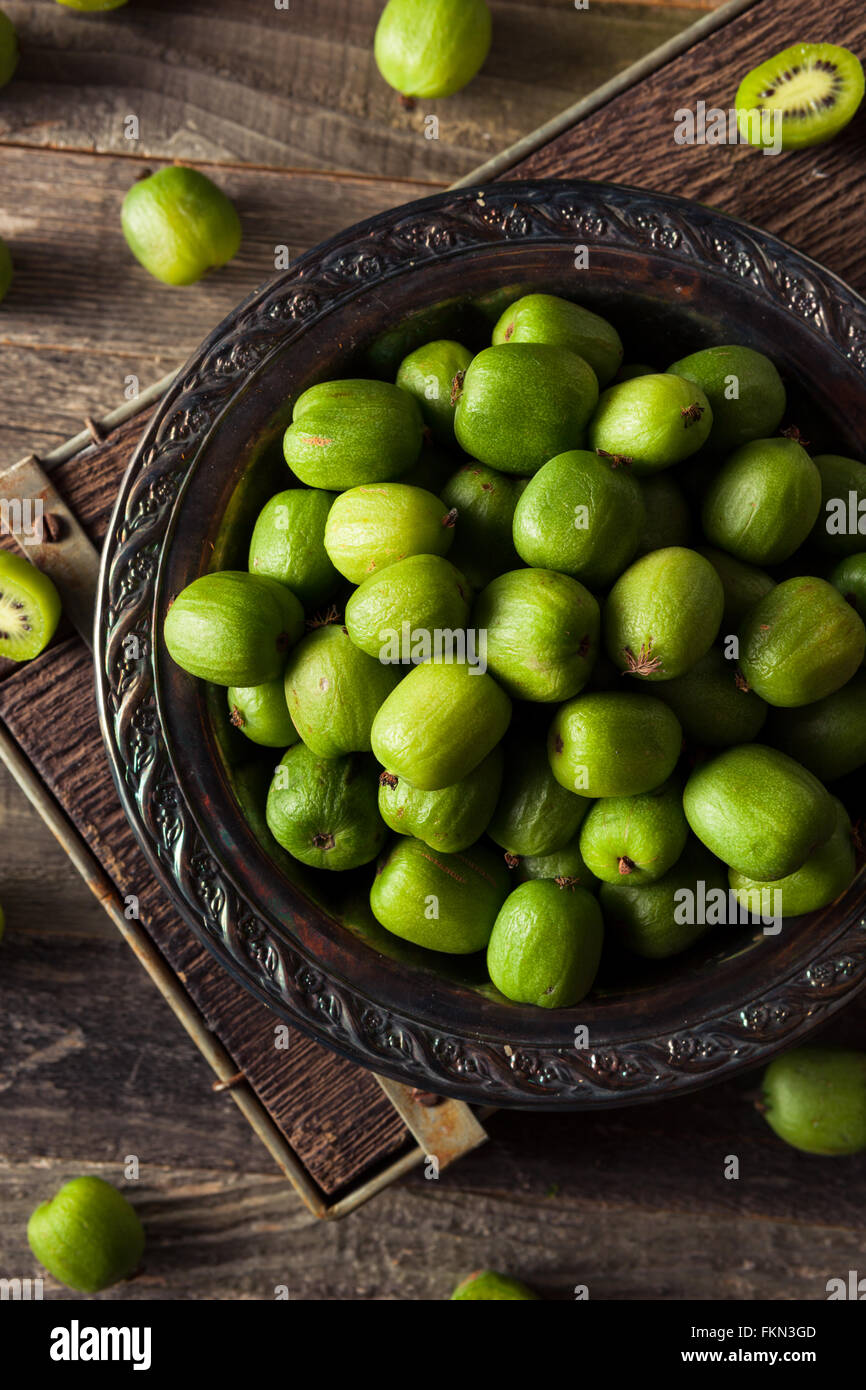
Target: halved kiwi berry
817,87
29,608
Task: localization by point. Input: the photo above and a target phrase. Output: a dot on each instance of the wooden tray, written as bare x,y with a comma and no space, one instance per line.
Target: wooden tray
331,1126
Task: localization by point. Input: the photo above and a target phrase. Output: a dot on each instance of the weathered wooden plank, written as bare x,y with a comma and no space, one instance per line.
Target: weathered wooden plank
299,87
215,1236
812,197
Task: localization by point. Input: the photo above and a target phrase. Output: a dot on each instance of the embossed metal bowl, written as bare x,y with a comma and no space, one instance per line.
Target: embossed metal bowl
672,276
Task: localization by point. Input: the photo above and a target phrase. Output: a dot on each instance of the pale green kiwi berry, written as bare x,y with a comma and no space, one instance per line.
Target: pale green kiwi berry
652,421
88,1236
8,49
815,1099
179,225
487,1286
432,48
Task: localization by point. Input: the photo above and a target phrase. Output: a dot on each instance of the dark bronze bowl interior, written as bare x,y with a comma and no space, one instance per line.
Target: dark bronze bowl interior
672,277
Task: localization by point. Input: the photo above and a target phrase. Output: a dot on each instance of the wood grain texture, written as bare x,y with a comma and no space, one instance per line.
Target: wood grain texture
333,1114
812,198
299,88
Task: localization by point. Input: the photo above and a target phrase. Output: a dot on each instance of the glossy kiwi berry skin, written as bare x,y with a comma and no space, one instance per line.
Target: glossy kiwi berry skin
801,643
547,318
261,714
334,690
488,1286
542,633
829,736
580,515
758,810
713,704
29,608
829,98
450,819
8,53
485,501
324,811
233,628
566,866
815,1099
650,919
179,225
652,421
663,614
376,524
534,814
433,375
545,946
820,879
743,584
764,501
744,390
432,48
446,902
613,743
523,403
849,577
439,723
347,433
88,1235
413,598
288,544
843,500
635,839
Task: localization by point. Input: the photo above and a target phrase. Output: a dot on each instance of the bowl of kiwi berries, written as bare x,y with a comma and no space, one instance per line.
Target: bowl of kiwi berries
481,644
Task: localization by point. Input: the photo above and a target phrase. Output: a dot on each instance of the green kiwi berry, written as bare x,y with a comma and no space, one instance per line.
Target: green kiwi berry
523,404
432,48
484,500
613,743
744,390
758,810
261,714
488,1286
841,525
88,1236
651,421
663,613
820,879
373,526
743,585
334,690
233,628
713,703
582,515
406,604
546,318
29,608
764,501
651,919
346,433
542,631
667,515
635,839
816,88
446,902
828,736
450,819
433,374
565,866
288,544
849,577
545,946
179,225
439,723
324,811
801,642
534,815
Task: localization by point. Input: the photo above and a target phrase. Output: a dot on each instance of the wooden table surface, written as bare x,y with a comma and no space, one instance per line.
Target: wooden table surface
285,108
